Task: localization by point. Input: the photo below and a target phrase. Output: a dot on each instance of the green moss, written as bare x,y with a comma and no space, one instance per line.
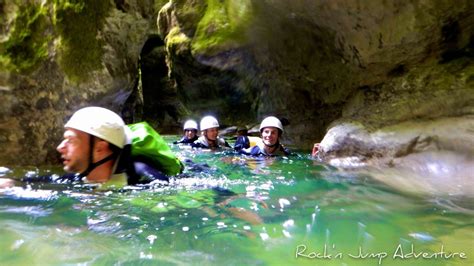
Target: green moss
27,44
189,14
176,40
223,26
79,23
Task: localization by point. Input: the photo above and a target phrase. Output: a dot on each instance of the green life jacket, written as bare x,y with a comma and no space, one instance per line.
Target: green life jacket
148,144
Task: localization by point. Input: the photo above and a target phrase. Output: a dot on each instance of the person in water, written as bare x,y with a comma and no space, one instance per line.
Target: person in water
316,149
271,130
96,149
6,183
209,138
190,133
243,140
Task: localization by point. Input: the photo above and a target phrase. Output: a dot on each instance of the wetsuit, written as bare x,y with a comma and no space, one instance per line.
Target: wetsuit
186,140
258,150
202,142
242,142
127,172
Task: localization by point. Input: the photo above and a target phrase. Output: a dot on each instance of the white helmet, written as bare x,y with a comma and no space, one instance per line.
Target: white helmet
208,122
190,124
99,122
271,121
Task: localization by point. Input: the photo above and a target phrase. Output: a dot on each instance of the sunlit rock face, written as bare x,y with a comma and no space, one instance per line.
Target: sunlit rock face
315,63
319,62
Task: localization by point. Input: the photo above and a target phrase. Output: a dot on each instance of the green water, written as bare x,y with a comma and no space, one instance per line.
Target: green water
242,211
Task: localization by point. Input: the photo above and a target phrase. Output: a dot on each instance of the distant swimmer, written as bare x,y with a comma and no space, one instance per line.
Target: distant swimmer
190,133
209,138
271,130
243,140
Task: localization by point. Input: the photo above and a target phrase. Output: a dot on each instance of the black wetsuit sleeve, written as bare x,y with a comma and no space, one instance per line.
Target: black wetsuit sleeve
198,145
146,173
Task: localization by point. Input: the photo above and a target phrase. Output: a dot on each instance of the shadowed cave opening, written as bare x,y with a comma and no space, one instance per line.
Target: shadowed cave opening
160,99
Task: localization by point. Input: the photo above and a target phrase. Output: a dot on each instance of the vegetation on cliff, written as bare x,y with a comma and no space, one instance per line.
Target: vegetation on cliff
223,26
27,42
78,24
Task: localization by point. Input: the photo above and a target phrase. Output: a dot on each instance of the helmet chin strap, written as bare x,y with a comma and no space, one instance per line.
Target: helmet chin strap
93,165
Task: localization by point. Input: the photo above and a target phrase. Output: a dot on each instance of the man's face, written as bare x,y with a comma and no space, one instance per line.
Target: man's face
212,133
190,133
270,135
74,150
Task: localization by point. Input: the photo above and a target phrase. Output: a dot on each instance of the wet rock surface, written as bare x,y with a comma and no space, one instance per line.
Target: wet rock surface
429,157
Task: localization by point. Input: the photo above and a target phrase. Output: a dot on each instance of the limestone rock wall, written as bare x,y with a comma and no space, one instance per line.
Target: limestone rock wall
57,56
316,64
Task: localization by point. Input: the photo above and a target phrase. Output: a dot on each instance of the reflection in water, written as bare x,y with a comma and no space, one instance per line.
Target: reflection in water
239,211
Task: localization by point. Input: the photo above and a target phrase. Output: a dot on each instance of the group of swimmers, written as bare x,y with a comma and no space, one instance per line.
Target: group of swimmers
268,144
96,149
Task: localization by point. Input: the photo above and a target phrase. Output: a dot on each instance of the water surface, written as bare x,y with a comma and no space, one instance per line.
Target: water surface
239,211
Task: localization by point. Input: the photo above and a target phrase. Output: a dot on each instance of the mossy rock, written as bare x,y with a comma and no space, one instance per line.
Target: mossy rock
79,24
223,26
27,44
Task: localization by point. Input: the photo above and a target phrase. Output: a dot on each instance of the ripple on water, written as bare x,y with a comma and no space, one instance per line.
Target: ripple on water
34,211
262,208
30,194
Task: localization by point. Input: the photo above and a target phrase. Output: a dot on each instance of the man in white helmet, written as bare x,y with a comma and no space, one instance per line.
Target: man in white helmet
95,149
93,140
190,133
271,130
95,146
209,138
